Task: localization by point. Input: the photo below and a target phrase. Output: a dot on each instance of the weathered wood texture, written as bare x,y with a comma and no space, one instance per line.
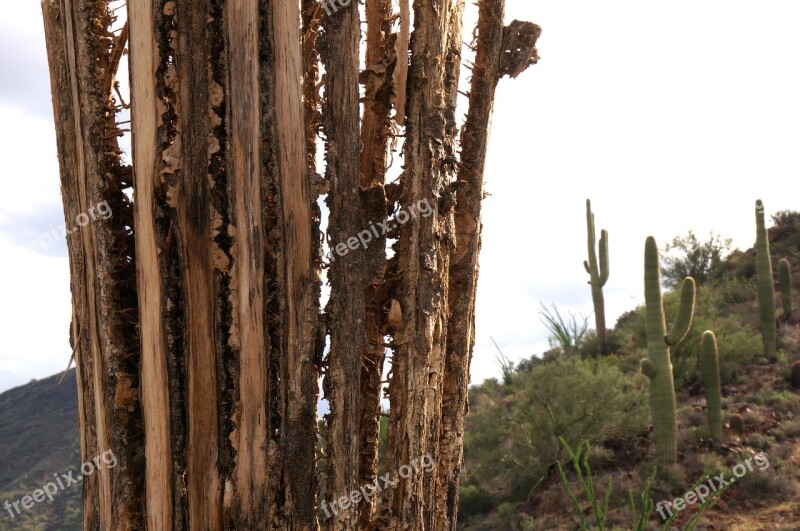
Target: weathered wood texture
424,247
376,127
196,325
227,265
104,335
345,309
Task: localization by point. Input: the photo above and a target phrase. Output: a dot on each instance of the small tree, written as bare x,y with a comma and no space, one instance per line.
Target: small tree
786,218
686,256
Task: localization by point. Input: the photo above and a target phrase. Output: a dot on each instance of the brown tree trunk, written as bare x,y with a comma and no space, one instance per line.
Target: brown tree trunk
196,324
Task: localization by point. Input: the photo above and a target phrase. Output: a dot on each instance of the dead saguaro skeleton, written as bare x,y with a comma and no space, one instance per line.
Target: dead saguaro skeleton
197,329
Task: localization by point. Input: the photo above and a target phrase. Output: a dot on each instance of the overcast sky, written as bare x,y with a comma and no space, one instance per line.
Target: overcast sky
668,115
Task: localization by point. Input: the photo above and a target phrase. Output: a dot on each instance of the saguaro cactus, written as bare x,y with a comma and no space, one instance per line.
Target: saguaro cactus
658,366
598,275
709,366
766,286
785,276
197,331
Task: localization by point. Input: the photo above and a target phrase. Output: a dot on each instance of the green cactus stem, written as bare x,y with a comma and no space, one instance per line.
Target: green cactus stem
785,276
766,285
598,276
709,366
658,366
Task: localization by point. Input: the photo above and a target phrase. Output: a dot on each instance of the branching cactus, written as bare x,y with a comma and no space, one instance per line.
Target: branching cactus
598,275
709,366
658,365
766,284
785,276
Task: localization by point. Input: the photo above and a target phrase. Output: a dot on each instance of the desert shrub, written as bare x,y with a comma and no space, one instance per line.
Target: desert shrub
573,399
735,290
506,512
738,341
632,329
485,437
788,429
589,346
766,485
670,481
759,441
474,500
693,417
786,218
686,256
784,401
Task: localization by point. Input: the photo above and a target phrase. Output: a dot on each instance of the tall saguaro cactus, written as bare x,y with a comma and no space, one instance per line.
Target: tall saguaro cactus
658,365
709,367
598,275
198,334
766,284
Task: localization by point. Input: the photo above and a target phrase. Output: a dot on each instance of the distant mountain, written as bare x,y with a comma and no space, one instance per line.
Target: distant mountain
38,443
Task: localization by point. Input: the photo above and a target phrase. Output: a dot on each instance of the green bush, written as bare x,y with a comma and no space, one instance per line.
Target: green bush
474,500
786,218
686,256
573,399
485,437
739,341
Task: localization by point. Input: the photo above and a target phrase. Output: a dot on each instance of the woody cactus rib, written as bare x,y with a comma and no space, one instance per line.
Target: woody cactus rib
658,365
598,275
104,336
463,273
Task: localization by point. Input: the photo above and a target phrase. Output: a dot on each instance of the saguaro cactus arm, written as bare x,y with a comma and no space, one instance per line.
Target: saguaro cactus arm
683,321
